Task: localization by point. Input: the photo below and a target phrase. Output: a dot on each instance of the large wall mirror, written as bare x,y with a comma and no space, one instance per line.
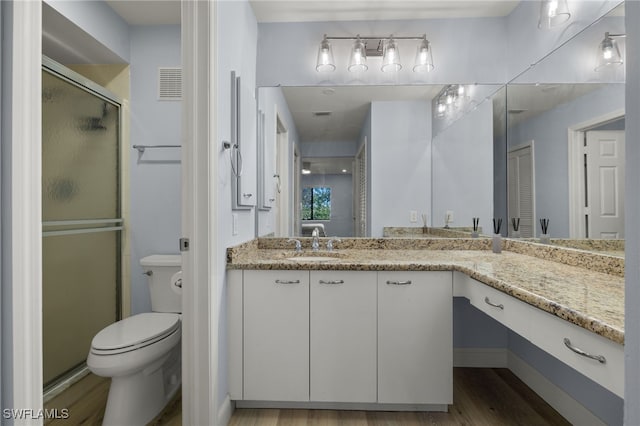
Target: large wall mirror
565,152
352,160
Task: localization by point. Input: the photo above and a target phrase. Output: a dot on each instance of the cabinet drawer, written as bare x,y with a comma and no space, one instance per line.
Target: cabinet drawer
500,306
549,334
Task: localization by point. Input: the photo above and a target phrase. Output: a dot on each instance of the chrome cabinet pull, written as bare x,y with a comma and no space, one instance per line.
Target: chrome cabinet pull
331,282
247,195
488,302
287,281
399,282
601,359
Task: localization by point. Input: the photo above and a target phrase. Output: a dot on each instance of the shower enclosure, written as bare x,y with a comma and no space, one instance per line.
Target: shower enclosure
81,214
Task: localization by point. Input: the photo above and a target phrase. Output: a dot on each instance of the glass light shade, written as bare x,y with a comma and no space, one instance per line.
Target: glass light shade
325,62
608,53
553,13
424,59
441,108
358,59
391,57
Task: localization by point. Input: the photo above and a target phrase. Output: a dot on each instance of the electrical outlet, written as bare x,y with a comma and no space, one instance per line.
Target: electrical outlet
234,224
413,216
449,216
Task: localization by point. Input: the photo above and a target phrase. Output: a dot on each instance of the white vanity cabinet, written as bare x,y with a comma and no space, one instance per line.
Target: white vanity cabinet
415,343
598,358
343,336
276,335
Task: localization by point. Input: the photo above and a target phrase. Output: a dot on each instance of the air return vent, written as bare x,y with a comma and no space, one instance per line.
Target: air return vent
169,84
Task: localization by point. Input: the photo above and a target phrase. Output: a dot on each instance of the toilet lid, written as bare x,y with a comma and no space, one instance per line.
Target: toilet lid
136,330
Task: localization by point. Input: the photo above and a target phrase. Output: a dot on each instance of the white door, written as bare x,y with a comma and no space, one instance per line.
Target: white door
521,189
415,337
276,335
343,336
605,183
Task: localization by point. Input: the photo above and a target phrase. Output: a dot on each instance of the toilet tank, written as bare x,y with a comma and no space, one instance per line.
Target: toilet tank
160,268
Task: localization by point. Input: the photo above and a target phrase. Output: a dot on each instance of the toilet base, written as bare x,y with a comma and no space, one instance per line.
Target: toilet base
136,399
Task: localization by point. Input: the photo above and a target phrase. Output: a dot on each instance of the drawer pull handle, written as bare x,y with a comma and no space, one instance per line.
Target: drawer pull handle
399,282
599,358
495,305
287,281
331,282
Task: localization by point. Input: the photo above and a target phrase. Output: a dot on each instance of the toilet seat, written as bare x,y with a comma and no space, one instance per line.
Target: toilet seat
135,332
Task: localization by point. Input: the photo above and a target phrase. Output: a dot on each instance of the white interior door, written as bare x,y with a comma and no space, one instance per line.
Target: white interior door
521,189
605,183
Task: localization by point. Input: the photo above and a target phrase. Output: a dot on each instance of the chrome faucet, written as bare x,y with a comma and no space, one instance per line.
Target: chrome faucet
330,243
315,244
298,244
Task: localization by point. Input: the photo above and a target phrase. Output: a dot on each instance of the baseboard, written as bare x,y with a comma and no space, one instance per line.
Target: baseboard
225,411
357,406
568,407
480,357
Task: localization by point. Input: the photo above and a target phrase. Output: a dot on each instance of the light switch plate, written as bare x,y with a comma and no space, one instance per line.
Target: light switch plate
413,216
449,216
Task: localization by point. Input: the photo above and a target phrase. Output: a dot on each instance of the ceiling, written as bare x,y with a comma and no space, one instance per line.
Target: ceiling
358,10
165,12
147,12
347,105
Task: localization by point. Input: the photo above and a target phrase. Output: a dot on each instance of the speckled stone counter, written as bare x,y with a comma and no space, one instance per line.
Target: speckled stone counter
590,299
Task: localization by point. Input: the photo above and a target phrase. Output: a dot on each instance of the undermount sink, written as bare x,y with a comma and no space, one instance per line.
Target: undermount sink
312,259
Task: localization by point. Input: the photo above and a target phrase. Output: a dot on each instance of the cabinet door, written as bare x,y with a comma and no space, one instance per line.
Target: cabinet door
343,336
415,338
276,335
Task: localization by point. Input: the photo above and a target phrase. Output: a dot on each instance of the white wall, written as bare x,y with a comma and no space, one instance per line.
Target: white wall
97,20
526,44
271,101
156,174
549,132
464,50
463,170
236,39
400,148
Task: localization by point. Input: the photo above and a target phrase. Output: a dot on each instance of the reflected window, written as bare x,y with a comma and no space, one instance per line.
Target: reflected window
316,203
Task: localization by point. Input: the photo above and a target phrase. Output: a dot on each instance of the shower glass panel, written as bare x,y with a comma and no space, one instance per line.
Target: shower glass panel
81,216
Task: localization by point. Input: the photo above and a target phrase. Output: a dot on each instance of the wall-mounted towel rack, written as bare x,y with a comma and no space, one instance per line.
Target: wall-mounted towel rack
141,148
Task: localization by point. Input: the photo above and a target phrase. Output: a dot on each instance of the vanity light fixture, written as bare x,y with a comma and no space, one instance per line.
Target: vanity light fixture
608,52
325,60
375,46
449,99
553,13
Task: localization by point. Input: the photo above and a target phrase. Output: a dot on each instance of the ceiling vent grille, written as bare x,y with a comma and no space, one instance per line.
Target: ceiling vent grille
170,84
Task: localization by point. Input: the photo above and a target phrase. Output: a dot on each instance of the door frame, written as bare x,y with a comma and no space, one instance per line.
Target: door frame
575,146
22,207
201,268
284,162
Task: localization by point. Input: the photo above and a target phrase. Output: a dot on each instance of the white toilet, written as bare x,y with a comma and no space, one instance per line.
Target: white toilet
142,353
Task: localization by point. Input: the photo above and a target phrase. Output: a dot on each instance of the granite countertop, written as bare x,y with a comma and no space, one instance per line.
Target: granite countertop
590,299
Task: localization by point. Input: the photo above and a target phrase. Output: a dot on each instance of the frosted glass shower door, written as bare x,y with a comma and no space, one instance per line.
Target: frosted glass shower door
81,219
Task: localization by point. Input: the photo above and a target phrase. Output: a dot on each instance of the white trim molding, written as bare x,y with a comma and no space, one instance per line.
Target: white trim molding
21,210
199,206
562,402
575,147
